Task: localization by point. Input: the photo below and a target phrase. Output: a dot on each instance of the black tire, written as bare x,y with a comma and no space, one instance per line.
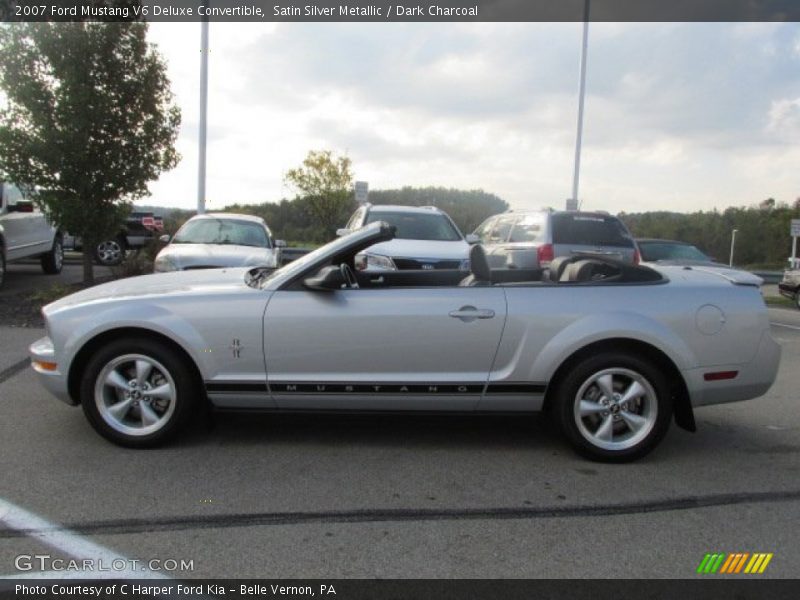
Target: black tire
96,398
53,261
651,412
110,253
2,265
796,298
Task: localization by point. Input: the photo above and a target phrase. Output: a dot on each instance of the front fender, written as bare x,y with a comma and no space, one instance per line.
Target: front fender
80,327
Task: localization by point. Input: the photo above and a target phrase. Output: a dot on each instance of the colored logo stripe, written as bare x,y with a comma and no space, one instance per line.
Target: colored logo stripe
734,563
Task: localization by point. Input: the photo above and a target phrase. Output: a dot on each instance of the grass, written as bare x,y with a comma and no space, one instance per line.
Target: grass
51,294
779,301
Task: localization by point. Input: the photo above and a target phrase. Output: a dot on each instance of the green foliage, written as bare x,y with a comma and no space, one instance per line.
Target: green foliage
325,183
89,120
295,219
467,208
762,236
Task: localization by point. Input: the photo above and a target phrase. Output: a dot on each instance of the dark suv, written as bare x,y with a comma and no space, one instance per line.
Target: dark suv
531,239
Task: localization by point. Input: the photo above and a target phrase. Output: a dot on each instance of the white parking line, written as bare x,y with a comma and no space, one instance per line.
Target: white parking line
785,325
69,543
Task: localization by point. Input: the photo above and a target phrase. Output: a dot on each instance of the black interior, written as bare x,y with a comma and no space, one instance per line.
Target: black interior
566,270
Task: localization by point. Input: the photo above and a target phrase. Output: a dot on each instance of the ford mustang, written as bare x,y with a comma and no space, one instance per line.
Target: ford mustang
613,351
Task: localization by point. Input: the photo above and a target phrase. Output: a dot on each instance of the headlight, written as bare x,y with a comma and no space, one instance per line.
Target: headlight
164,264
374,261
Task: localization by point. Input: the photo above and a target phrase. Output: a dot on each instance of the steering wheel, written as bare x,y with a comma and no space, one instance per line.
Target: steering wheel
349,276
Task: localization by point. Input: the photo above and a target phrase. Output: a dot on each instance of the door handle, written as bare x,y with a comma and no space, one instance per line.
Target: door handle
470,313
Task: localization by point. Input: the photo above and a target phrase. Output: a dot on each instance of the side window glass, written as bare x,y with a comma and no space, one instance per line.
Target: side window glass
527,229
501,231
484,229
355,220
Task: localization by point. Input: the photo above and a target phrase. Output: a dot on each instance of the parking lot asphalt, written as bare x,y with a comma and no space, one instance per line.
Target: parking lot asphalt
316,496
27,275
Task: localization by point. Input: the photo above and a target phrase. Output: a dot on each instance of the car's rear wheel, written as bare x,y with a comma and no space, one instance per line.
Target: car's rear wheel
613,407
53,261
110,252
137,393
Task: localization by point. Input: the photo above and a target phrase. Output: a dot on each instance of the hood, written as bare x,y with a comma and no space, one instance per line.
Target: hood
422,249
184,256
161,284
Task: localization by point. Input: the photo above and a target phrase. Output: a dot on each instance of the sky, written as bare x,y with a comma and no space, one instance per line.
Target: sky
678,116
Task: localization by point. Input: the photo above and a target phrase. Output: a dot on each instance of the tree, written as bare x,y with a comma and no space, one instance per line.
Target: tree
325,181
89,121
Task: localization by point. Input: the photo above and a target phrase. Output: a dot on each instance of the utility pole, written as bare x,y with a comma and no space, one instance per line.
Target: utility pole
581,93
733,244
201,166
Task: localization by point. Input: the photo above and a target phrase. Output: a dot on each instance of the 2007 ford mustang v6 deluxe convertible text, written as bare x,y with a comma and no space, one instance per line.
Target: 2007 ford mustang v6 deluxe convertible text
613,351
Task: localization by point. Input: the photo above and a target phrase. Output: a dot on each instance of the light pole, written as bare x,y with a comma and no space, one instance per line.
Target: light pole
733,244
201,166
581,94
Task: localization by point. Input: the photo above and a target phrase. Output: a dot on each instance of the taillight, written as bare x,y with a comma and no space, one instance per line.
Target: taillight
637,257
545,254
149,222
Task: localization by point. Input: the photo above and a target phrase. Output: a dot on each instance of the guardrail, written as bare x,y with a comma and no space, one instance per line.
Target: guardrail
769,276
290,254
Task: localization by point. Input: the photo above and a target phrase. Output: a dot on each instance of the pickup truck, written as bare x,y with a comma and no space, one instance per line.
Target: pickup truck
139,229
26,233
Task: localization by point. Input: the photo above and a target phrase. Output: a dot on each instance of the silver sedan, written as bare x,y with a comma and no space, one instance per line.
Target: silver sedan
613,351
218,240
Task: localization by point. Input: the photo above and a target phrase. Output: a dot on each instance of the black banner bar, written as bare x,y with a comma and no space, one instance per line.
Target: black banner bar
399,10
462,589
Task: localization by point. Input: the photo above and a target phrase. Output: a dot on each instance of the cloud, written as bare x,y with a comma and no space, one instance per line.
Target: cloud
673,111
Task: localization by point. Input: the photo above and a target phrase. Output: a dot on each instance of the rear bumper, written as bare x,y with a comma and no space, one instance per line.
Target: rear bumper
752,380
54,381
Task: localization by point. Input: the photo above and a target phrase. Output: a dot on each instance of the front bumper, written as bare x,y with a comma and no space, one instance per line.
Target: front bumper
42,351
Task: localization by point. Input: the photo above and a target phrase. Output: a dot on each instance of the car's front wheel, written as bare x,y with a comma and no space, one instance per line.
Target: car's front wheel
137,393
613,407
53,261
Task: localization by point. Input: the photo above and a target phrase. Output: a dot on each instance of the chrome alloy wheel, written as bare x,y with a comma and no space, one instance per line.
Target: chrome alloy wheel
135,394
615,409
58,254
109,252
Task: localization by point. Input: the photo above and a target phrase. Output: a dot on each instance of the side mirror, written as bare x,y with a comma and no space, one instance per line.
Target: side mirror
164,239
327,280
21,207
279,243
341,232
472,238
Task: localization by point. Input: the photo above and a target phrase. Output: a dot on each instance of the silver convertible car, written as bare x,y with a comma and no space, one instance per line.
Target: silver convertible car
613,351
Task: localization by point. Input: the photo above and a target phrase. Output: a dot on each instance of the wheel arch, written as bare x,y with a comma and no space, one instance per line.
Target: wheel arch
82,357
684,415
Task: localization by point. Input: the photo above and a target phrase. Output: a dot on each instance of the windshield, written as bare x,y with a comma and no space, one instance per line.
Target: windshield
418,226
655,251
299,265
222,231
